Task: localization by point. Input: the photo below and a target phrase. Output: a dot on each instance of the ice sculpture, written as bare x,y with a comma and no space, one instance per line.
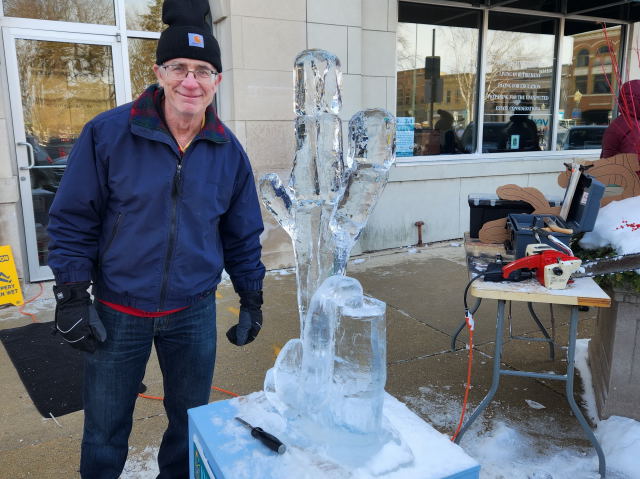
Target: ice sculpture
328,198
329,383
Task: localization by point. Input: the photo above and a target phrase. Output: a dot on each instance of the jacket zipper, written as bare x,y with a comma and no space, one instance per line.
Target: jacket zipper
175,193
114,232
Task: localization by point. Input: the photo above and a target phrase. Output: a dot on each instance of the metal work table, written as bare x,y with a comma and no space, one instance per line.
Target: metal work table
582,292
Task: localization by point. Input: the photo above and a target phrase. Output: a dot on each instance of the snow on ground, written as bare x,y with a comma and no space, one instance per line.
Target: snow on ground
618,225
34,307
278,273
512,450
504,448
141,465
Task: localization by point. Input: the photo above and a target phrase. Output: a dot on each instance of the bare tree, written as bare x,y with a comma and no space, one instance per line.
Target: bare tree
83,11
405,53
506,51
463,45
53,74
142,50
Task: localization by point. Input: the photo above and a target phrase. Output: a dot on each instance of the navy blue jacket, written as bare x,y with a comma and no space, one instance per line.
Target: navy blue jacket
151,229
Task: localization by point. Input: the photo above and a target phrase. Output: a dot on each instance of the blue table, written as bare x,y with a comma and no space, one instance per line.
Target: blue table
221,448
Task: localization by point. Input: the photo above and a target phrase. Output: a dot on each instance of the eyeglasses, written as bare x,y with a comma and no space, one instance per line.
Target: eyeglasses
177,71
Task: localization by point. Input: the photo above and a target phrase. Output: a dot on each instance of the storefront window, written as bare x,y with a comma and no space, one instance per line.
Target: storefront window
142,56
144,15
601,83
586,99
438,67
82,11
436,83
604,56
518,83
582,59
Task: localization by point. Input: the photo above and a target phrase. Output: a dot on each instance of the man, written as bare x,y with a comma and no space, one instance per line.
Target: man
157,198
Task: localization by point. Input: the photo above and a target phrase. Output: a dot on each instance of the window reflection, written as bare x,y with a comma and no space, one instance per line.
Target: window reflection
604,56
62,85
144,15
436,80
518,83
601,83
142,56
586,99
83,11
582,59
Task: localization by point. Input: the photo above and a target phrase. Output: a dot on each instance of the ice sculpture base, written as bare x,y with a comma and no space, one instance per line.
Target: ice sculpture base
231,453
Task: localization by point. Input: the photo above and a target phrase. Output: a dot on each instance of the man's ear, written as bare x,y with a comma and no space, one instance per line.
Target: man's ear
156,70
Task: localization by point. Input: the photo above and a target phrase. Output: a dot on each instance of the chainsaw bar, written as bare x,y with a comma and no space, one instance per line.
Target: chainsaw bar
614,264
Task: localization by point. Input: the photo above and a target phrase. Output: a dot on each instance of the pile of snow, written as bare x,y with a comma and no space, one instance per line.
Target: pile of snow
618,226
516,449
620,440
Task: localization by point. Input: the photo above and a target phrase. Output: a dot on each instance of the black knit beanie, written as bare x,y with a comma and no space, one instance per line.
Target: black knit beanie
188,34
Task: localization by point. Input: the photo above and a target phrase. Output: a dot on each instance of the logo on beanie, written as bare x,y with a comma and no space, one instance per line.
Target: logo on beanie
196,40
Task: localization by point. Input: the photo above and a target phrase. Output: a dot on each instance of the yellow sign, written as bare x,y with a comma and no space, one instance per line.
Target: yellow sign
10,291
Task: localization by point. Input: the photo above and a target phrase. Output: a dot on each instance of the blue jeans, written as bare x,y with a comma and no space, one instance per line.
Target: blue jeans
186,345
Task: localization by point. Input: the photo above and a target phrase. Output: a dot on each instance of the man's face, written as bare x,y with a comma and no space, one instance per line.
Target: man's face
191,95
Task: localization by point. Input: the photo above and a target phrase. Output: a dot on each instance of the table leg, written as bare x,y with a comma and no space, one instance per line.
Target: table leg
496,372
543,330
573,329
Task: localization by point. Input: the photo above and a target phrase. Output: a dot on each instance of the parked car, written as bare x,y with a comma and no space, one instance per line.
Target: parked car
583,137
58,147
47,178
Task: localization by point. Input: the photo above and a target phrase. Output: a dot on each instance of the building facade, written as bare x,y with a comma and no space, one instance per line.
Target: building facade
64,61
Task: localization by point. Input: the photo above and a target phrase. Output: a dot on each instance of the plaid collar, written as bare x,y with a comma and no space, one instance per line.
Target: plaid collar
144,112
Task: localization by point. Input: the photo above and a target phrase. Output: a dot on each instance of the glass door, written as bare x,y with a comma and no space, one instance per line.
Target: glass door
57,82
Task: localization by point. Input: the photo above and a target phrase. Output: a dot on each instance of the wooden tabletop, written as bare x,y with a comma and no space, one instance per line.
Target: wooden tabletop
580,292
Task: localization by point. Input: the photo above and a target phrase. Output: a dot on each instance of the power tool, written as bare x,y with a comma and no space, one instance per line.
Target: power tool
553,268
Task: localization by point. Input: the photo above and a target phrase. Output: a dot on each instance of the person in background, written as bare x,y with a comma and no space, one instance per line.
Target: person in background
521,132
447,136
158,197
623,134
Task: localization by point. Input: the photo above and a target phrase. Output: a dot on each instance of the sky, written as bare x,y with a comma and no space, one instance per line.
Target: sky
539,48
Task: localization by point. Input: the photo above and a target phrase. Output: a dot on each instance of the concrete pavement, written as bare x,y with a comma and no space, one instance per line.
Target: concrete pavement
423,290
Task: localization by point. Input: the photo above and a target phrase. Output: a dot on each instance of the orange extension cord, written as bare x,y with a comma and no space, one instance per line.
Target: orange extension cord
21,307
471,326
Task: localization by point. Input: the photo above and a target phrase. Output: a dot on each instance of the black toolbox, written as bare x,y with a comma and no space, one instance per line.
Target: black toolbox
579,213
485,207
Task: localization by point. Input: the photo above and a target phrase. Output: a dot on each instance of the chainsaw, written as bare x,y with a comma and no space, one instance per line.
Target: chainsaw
555,269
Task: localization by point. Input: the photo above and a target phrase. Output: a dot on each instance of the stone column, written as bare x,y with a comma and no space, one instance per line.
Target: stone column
614,356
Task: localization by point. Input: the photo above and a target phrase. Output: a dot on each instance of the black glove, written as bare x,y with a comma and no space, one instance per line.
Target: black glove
250,321
76,317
